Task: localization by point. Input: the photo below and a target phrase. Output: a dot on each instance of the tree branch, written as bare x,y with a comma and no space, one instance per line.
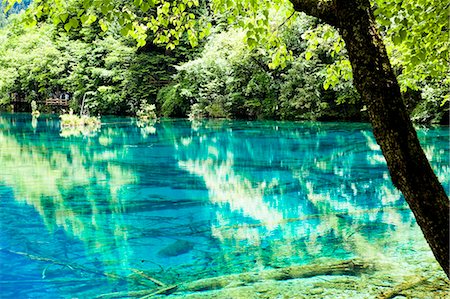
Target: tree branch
282,24
322,9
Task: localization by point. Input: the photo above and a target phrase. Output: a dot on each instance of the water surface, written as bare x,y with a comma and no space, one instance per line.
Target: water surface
81,213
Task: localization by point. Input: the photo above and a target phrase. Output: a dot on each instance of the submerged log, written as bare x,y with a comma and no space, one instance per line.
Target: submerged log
140,294
163,291
399,289
350,267
78,267
126,294
144,275
72,266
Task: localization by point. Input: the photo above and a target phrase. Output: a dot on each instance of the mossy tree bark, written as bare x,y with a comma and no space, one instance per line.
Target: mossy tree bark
373,77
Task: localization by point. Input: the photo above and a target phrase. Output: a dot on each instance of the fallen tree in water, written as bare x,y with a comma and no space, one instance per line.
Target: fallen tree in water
349,267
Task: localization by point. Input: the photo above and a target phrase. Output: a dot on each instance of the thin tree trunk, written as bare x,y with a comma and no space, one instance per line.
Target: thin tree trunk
373,77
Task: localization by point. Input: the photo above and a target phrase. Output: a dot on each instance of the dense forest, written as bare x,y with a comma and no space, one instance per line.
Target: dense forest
221,77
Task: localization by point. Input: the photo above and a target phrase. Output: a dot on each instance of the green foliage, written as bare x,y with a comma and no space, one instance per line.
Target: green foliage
166,22
173,102
73,120
215,81
3,19
107,71
255,64
146,112
417,26
418,45
34,111
229,80
146,74
196,112
38,62
431,109
417,38
99,71
29,62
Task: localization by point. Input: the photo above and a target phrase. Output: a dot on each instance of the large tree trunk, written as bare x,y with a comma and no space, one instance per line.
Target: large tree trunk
374,79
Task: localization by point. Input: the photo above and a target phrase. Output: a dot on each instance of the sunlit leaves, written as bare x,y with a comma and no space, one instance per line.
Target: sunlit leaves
262,21
417,38
168,21
308,55
64,17
337,72
325,39
29,62
415,31
72,23
88,19
192,37
231,79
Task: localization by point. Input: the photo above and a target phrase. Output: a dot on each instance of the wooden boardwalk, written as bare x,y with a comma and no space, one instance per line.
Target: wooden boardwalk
47,102
56,102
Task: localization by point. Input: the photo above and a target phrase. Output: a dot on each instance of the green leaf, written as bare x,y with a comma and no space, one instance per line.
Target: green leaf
145,7
74,22
91,19
165,8
251,42
67,26
64,17
83,18
124,31
192,38
103,26
402,34
104,9
308,55
384,22
86,4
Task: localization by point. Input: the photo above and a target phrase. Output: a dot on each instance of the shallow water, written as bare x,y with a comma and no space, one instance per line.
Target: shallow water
81,213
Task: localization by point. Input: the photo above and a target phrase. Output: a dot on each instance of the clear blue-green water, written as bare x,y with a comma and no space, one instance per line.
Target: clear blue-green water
81,212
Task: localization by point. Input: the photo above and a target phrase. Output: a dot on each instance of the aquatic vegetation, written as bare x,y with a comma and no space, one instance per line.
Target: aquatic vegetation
146,119
147,112
73,120
34,111
74,125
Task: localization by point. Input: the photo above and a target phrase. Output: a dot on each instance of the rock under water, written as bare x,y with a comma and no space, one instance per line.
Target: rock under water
177,248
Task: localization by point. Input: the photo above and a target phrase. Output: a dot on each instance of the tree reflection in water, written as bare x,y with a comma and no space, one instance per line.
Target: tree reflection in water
187,200
300,191
75,187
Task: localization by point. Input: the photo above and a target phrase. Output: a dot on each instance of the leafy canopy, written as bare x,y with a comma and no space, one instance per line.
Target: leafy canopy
417,37
415,30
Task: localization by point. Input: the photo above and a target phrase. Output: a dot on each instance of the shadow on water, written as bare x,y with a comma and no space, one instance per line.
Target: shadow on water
84,214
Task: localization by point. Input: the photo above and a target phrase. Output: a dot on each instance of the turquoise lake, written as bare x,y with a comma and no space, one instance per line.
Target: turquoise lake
89,213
